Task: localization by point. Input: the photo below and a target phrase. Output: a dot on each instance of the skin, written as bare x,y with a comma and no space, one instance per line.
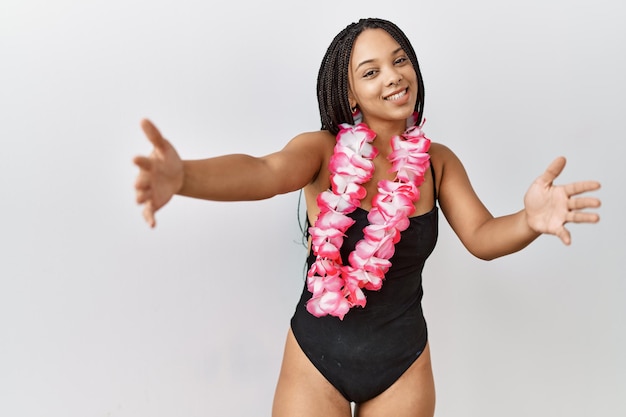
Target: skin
379,69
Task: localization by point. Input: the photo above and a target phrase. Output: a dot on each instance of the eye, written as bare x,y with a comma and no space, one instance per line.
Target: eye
369,73
400,60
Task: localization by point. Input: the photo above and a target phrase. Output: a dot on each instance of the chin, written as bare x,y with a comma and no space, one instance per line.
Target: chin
408,112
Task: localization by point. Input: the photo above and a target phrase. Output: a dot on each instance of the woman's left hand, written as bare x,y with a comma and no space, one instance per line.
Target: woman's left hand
549,207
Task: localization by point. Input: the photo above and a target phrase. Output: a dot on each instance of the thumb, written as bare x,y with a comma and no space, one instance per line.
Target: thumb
564,235
554,170
153,134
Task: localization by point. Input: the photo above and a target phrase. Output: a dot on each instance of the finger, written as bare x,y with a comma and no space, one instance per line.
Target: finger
564,235
582,217
554,170
583,203
143,196
153,134
143,181
581,187
143,162
148,214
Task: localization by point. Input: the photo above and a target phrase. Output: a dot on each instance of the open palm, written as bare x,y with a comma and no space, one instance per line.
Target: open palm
549,207
160,174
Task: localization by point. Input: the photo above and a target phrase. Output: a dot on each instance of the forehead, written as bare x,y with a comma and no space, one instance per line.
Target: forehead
372,44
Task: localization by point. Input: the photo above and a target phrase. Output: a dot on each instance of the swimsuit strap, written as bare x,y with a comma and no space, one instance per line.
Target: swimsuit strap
432,171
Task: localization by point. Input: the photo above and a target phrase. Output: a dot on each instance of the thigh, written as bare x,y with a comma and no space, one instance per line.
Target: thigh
412,395
302,390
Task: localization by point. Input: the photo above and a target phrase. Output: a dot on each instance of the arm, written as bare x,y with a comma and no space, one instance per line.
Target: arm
547,208
225,178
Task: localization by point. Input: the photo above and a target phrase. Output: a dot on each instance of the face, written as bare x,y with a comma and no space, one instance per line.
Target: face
383,83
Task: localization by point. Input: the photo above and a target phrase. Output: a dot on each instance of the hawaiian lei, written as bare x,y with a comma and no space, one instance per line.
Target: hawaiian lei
336,287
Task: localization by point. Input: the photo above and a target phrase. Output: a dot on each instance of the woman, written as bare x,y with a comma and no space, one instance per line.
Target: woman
371,180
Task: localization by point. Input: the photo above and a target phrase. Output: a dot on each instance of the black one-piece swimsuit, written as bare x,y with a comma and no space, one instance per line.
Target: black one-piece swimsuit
366,352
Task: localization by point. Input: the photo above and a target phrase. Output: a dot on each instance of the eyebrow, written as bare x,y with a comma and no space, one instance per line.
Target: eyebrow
367,61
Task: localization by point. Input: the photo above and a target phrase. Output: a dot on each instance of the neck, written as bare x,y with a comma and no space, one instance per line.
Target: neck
385,130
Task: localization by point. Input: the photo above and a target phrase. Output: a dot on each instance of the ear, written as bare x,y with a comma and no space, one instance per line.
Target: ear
351,100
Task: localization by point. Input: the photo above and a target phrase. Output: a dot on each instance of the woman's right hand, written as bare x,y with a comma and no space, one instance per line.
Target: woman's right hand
160,175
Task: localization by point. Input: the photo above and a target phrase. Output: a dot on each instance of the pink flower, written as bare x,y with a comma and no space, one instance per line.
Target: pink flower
346,186
391,205
321,284
392,187
332,303
341,164
352,289
326,242
372,264
410,157
322,267
357,138
370,280
333,220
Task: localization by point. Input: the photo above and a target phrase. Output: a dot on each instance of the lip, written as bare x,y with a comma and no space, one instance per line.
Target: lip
400,100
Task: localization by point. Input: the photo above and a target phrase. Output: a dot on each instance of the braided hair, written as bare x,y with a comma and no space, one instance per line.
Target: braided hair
332,79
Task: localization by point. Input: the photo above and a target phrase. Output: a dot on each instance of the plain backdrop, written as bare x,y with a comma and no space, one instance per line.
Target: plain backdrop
101,316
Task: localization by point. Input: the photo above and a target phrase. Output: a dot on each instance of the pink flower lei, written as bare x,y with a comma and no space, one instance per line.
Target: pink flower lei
336,287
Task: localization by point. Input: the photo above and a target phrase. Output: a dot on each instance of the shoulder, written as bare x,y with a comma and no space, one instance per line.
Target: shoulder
315,149
319,139
304,156
442,157
440,151
316,146
309,145
452,177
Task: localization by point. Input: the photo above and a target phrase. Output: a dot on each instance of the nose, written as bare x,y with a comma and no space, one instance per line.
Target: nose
394,77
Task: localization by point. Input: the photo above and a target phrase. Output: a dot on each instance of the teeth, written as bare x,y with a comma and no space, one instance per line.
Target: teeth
396,96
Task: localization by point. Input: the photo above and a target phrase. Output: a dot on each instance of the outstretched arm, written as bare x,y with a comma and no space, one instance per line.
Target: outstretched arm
234,177
547,208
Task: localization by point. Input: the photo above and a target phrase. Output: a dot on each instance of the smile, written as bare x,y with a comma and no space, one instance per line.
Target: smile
396,96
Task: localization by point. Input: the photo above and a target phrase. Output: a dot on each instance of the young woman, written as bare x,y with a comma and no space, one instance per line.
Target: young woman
372,181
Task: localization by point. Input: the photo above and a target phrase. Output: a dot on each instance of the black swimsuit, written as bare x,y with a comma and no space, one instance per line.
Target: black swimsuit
366,352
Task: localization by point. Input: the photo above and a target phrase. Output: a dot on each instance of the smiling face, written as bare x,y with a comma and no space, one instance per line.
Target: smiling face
383,83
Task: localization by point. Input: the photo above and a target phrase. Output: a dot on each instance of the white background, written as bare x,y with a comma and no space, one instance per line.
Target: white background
101,316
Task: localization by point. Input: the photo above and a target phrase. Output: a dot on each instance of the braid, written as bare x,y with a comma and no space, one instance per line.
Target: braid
332,79
332,82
